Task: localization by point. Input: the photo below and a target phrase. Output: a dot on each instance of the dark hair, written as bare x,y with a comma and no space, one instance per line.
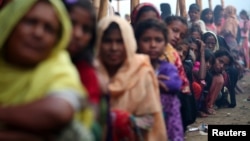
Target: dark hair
88,52
158,25
194,7
223,52
204,13
209,56
222,43
206,35
244,12
185,41
118,14
217,10
143,10
170,19
112,26
195,28
165,10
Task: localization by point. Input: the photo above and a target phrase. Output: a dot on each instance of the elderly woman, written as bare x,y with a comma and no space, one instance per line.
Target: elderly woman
41,94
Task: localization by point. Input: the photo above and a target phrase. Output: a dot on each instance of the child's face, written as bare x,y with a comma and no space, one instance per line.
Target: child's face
208,64
183,51
195,49
196,35
176,31
194,15
152,42
210,42
220,64
209,15
112,50
82,30
34,36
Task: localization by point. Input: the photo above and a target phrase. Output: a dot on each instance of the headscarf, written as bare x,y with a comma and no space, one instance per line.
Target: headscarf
138,8
55,74
230,27
217,47
127,87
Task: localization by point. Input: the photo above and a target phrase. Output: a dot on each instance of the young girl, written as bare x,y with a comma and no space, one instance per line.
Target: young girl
144,11
211,41
177,28
151,38
207,17
223,59
194,15
129,81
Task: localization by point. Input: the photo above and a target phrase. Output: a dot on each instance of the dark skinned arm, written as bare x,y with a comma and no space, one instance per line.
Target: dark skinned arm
202,70
42,116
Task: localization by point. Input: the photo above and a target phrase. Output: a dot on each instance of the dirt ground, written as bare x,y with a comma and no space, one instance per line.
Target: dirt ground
226,116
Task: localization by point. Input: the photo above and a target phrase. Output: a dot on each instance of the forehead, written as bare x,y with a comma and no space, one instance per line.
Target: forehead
43,10
210,38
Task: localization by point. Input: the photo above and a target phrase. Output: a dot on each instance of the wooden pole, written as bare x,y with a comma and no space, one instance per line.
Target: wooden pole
177,13
199,2
118,6
182,6
96,4
103,11
133,4
210,4
222,3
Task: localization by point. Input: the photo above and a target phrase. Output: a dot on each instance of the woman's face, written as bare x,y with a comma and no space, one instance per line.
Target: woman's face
34,37
183,51
221,63
147,15
210,42
112,51
176,31
82,30
152,42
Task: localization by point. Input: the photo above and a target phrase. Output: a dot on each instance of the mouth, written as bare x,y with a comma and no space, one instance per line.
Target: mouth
174,42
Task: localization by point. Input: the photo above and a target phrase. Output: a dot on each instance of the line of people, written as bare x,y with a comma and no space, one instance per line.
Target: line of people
66,76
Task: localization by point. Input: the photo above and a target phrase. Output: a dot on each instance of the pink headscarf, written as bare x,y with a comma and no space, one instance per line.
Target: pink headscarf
138,8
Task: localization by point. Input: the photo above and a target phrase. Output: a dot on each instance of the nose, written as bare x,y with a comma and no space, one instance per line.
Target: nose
114,46
77,32
177,36
152,44
38,31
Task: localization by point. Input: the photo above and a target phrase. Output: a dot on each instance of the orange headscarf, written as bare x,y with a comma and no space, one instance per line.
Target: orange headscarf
134,87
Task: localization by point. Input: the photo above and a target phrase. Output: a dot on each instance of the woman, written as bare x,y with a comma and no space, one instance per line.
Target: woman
129,81
40,83
230,28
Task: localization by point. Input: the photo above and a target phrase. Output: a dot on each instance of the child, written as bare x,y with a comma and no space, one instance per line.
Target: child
223,59
207,17
151,38
194,14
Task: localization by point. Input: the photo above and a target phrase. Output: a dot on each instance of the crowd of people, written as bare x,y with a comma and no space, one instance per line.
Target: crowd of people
66,76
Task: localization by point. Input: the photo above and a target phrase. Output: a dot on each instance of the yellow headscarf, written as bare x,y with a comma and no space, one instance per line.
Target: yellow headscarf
55,74
134,87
